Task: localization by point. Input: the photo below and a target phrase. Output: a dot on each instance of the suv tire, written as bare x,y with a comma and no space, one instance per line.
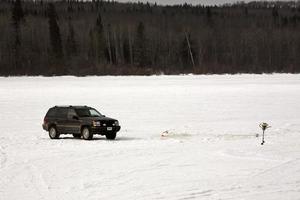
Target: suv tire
53,134
86,133
111,136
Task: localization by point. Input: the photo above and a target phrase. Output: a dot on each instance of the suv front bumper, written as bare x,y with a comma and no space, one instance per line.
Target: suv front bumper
104,130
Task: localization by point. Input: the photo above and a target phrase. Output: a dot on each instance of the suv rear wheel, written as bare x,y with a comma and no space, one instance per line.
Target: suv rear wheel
86,133
53,134
111,136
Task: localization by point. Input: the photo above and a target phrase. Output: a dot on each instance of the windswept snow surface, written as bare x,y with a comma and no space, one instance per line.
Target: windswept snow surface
209,149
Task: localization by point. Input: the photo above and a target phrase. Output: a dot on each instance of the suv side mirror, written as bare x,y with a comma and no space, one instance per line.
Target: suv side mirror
75,117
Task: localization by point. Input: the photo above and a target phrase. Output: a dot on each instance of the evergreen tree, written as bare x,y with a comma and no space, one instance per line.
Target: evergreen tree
275,15
17,12
126,50
100,39
71,46
54,32
91,49
209,19
17,17
140,48
246,11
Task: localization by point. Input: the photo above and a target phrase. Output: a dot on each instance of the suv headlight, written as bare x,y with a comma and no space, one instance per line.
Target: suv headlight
116,123
96,123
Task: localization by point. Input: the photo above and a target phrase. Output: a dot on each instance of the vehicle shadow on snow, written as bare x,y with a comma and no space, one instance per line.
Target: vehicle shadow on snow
101,138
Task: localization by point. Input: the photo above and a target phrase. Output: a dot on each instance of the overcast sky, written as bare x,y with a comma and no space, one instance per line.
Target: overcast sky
194,2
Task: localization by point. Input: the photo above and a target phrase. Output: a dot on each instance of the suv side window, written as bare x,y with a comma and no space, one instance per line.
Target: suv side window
62,112
51,112
71,113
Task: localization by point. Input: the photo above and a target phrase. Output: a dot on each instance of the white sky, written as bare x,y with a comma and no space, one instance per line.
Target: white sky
194,2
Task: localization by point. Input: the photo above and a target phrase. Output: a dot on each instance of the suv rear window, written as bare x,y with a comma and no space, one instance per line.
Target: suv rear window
62,112
51,112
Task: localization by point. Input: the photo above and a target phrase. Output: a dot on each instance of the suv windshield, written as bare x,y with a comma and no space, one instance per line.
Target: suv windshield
87,112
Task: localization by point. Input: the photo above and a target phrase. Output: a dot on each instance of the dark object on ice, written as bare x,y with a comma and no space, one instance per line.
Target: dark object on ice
80,121
263,126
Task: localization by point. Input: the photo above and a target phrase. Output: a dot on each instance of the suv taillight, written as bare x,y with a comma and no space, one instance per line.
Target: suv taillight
45,120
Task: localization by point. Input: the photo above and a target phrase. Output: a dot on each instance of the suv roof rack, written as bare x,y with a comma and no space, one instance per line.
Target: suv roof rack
70,106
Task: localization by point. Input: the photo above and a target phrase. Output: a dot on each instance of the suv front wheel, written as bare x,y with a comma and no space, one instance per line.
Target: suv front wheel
86,133
53,134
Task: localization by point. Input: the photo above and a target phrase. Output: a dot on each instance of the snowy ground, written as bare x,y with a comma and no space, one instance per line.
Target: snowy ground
211,151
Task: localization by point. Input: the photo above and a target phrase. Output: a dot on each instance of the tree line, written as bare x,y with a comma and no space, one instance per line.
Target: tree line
72,37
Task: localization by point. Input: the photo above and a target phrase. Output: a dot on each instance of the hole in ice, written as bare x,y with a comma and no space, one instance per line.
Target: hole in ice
174,134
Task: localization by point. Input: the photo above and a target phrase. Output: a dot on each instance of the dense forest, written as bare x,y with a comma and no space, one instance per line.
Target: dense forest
100,38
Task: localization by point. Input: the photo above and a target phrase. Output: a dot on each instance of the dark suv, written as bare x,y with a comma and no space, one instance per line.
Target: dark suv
80,121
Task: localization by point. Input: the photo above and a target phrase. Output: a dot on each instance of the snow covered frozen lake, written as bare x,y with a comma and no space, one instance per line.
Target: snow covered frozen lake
211,151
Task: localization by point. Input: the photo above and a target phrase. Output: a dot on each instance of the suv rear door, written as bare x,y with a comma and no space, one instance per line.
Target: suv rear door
61,120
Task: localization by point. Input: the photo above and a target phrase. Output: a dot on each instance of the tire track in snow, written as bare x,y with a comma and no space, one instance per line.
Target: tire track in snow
196,194
3,160
3,157
244,186
39,183
276,167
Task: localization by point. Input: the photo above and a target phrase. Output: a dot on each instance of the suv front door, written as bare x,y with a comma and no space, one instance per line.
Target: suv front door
73,122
